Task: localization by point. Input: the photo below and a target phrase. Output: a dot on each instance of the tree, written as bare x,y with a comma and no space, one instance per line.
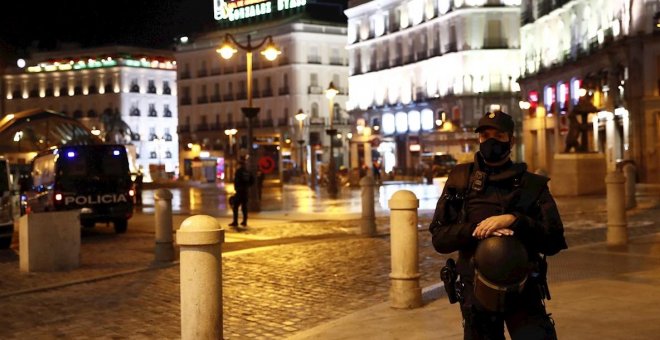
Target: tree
116,129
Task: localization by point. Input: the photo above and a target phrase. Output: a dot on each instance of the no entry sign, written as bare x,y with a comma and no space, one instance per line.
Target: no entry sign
266,164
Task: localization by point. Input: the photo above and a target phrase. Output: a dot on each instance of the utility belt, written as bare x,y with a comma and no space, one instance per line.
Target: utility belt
455,288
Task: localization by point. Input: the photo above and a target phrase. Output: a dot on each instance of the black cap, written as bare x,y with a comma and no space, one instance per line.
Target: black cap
498,120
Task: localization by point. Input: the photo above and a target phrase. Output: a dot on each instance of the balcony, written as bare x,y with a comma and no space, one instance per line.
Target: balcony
241,96
183,129
422,54
451,47
337,61
167,113
152,113
135,112
184,75
526,17
228,97
436,50
314,59
316,121
282,60
283,90
267,92
202,100
202,127
315,89
216,71
185,101
397,61
202,73
496,43
383,64
283,122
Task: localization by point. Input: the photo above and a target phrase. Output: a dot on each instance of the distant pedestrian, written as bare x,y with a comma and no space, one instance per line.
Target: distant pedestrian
139,178
243,180
503,222
376,170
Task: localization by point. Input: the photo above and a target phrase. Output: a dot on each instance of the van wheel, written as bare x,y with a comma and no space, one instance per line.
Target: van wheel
121,226
5,242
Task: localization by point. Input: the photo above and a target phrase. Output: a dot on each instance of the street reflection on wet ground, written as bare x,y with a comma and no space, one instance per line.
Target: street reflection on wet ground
212,198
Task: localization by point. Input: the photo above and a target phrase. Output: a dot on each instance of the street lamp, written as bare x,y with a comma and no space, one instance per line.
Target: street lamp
300,117
333,190
270,52
230,173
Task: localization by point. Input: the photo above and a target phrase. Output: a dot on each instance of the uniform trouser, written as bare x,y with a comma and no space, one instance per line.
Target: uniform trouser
241,200
525,317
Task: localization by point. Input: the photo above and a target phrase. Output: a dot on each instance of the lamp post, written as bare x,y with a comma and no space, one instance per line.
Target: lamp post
333,190
300,117
230,133
270,52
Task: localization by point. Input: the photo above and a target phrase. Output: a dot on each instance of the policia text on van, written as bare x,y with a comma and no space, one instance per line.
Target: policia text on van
93,178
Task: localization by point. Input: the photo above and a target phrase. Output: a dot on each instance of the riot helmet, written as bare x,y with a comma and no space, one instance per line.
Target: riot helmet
501,268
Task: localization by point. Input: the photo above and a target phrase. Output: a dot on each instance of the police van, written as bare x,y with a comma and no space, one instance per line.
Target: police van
6,206
94,179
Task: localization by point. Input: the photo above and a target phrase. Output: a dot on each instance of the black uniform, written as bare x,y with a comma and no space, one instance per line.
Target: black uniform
243,179
538,226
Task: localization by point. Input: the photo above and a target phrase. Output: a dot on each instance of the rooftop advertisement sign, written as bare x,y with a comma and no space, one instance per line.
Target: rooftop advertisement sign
233,10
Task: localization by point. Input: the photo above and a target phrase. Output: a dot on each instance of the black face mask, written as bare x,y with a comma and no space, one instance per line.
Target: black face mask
494,151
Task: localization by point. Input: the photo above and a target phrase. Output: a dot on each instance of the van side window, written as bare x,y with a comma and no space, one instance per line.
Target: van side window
43,172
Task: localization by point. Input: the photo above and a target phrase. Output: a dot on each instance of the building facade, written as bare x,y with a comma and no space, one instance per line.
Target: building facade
422,72
213,90
103,87
590,82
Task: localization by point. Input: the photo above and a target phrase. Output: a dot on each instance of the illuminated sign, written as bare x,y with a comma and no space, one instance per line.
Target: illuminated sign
233,10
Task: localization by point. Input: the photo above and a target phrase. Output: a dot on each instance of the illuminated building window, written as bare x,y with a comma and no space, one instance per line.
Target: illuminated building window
414,121
388,124
427,119
576,84
401,122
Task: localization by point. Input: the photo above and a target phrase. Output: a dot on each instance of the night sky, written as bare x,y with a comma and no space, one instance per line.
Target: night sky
147,23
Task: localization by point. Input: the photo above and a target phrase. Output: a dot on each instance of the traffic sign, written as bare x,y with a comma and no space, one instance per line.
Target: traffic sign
266,164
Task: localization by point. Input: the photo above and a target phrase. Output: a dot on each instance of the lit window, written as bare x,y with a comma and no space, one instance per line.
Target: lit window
427,119
414,121
388,124
401,122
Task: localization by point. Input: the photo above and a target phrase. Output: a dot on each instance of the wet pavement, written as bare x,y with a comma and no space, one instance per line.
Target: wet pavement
289,272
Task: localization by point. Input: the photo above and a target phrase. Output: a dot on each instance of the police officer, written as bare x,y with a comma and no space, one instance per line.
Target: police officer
243,179
506,216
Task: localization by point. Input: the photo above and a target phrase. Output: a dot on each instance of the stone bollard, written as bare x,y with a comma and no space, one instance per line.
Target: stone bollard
368,226
164,244
617,233
629,171
405,291
200,239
